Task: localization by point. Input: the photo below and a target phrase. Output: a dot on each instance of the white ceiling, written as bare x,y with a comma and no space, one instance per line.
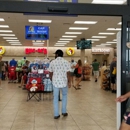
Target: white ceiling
58,27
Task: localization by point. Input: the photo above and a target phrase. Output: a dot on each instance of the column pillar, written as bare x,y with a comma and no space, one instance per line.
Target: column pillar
82,56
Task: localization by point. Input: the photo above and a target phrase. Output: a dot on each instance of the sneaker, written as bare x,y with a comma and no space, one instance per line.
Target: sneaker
65,114
56,117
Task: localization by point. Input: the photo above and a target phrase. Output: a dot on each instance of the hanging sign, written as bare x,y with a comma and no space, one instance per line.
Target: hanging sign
70,51
2,50
100,50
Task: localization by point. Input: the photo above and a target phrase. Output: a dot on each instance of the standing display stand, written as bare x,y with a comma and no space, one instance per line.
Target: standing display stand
86,72
39,82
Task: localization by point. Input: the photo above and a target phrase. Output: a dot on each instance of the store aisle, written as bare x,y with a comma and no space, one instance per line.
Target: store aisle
89,109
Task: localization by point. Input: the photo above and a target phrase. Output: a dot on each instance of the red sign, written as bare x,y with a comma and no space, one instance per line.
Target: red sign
33,50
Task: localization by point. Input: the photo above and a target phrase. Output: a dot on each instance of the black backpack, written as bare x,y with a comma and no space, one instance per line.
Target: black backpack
76,71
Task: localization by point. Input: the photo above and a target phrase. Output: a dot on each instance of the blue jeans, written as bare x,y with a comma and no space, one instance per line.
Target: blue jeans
56,100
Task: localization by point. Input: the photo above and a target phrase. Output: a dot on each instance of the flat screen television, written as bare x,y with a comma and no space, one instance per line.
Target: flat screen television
84,44
36,32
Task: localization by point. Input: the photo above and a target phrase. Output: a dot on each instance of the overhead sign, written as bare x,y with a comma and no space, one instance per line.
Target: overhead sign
100,50
72,1
70,51
37,32
2,50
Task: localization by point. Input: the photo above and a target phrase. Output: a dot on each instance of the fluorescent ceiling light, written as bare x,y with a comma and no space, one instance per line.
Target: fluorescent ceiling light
114,29
69,36
73,32
94,39
78,28
59,45
105,44
105,33
14,42
7,34
108,1
4,26
10,38
1,19
39,21
99,45
98,36
111,42
38,43
65,39
85,22
6,31
115,40
119,23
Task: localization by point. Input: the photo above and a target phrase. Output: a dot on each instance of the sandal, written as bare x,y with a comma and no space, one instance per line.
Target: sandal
75,87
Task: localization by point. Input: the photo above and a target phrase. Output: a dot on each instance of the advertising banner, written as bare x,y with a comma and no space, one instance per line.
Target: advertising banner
37,32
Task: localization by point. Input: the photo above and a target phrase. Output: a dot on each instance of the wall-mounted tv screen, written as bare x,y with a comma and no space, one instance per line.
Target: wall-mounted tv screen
84,44
37,32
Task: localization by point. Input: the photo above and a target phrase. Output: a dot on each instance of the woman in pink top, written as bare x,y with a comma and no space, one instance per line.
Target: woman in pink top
78,75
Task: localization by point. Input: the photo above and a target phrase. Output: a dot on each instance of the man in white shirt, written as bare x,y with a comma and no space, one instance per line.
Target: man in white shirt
60,75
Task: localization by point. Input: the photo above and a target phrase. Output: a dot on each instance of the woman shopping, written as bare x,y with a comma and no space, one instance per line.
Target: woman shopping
78,75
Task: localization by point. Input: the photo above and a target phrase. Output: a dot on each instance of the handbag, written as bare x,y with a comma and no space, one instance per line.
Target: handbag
114,71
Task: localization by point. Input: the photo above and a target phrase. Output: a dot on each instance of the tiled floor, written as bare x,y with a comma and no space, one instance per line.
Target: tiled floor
89,109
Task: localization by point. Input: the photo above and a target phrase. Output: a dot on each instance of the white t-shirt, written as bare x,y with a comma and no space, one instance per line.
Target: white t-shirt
71,65
59,67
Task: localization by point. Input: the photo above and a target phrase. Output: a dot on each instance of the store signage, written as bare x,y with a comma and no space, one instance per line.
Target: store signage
72,1
70,51
37,32
101,50
33,50
2,50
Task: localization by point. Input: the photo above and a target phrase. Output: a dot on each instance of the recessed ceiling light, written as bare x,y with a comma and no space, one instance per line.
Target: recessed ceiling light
7,34
73,32
108,1
59,45
69,36
39,21
119,23
10,38
111,42
105,33
78,28
4,26
85,22
94,39
1,19
6,31
114,29
65,39
98,36
14,42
